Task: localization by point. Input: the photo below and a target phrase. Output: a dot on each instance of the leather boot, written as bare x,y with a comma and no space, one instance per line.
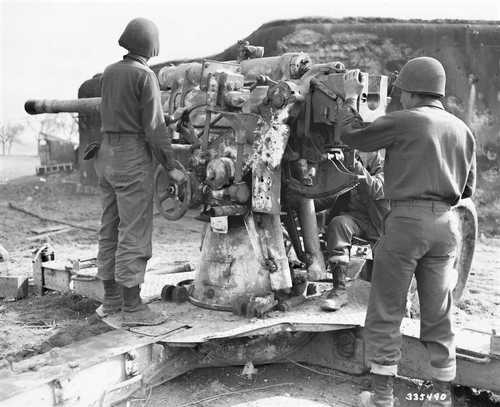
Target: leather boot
337,296
135,313
440,395
112,301
382,394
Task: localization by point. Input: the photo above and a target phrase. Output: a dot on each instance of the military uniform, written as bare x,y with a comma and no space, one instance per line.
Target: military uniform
429,166
132,123
362,217
365,209
133,130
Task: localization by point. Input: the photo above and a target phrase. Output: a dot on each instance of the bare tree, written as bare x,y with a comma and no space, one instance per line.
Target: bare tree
9,133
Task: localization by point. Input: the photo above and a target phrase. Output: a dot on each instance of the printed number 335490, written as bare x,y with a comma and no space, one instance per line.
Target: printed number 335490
425,396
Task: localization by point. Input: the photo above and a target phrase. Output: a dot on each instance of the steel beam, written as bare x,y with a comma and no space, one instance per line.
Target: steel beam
110,367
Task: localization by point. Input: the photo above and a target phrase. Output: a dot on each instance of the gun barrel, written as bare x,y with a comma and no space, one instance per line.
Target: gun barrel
287,66
84,105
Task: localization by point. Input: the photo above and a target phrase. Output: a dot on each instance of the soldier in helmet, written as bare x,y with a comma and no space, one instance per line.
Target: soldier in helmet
133,128
429,166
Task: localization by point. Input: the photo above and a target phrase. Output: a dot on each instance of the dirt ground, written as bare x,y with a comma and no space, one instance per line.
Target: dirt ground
227,387
36,324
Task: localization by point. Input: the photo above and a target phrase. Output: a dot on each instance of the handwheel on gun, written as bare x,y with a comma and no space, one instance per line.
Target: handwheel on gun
172,198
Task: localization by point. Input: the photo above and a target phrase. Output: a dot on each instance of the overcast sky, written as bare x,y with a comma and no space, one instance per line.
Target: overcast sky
48,48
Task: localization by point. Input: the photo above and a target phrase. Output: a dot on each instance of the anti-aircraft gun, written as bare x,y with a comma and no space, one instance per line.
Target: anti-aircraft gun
259,141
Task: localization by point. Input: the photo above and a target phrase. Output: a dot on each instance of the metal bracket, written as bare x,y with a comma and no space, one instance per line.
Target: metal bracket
131,367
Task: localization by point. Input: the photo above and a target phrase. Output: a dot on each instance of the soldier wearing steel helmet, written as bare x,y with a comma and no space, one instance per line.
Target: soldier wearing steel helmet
429,166
133,128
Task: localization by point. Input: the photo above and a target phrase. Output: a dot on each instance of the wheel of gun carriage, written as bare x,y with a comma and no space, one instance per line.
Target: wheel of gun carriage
467,236
171,198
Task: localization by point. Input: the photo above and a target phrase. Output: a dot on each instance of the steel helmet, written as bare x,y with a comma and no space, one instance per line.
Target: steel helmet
141,37
422,75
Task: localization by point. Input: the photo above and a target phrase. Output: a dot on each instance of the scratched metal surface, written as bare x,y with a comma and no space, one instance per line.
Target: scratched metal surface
201,325
188,325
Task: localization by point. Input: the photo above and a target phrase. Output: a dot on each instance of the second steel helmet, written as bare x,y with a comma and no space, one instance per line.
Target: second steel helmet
141,37
422,75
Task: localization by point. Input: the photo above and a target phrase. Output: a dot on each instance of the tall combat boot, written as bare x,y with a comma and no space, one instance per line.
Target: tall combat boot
440,396
112,302
135,313
382,394
337,296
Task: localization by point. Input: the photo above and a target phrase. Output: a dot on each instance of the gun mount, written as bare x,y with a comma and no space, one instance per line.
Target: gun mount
259,141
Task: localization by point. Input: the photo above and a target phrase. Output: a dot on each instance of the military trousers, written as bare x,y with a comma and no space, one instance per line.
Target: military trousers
343,227
420,238
124,167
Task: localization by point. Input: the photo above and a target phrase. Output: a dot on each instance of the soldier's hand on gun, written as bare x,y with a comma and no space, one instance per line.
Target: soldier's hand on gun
352,84
177,175
358,166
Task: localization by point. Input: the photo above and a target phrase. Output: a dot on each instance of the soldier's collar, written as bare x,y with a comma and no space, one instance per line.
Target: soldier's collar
431,103
137,58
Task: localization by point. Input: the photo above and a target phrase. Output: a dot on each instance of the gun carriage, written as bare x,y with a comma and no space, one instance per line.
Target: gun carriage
259,142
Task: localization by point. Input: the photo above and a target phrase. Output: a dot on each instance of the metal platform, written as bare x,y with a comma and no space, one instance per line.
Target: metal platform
110,367
189,325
